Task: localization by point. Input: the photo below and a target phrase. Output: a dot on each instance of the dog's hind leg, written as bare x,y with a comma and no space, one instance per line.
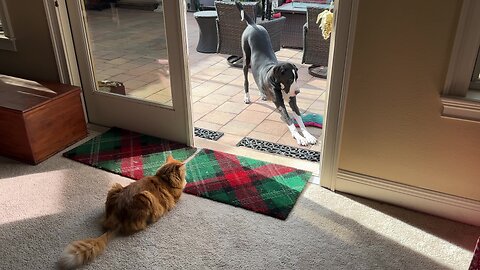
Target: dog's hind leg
297,116
246,63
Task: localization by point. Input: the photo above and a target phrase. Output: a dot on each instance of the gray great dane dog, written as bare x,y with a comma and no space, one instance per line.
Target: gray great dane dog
273,79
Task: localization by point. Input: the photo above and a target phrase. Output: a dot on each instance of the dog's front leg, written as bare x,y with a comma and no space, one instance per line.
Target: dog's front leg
296,114
286,118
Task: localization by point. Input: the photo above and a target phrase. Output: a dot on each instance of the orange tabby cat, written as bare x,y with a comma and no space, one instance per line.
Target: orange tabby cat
130,209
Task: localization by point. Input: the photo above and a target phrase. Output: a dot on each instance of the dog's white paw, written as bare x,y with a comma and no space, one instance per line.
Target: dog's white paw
309,137
300,139
246,98
263,96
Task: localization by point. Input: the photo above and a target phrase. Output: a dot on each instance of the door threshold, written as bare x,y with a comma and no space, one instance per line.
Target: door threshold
263,156
240,151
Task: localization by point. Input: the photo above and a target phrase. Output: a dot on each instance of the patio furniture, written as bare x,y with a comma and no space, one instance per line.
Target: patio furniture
207,42
295,12
315,47
230,28
206,4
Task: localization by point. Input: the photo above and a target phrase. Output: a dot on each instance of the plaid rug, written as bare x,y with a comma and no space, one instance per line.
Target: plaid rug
128,153
255,185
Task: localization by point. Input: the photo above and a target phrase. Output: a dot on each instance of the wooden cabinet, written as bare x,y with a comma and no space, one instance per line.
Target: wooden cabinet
38,120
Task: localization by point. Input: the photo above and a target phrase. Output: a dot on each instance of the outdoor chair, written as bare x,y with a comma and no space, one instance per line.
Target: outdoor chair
315,47
206,4
230,28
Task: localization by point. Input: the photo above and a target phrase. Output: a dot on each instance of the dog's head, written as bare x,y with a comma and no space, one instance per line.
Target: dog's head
283,76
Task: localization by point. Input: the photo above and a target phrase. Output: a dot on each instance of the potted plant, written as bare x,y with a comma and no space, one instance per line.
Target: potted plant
326,21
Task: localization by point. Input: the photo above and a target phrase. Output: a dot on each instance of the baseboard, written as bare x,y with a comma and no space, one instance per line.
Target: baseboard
423,200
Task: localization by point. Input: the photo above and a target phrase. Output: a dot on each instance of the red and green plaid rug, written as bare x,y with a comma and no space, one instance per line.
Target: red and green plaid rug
255,185
128,153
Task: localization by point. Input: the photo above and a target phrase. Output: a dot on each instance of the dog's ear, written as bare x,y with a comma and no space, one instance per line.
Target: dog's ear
278,70
295,71
276,73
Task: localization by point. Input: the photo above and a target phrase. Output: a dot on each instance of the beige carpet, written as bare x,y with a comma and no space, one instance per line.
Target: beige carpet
44,207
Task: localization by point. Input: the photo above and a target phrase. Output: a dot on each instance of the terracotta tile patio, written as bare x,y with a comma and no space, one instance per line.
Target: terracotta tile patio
217,88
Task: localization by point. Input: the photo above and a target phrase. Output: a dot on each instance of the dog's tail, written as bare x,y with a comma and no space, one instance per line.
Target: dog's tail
80,252
245,17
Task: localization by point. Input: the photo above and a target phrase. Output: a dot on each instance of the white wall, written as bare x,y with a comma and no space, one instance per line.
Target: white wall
34,58
393,129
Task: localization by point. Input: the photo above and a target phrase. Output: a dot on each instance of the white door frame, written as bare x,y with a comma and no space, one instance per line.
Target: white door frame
339,63
69,69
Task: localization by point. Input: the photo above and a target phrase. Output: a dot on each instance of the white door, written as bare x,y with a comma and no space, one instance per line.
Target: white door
143,49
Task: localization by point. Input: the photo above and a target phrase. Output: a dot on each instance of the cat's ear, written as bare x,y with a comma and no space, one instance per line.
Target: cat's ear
170,158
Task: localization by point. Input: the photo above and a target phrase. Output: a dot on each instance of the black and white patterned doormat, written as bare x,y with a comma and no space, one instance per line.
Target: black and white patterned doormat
280,149
207,134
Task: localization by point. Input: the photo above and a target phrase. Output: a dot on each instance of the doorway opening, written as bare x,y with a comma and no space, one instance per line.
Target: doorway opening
218,105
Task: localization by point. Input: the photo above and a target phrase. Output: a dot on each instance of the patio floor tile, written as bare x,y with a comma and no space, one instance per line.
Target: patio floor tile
224,78
134,84
118,61
275,116
233,71
264,136
148,77
232,107
261,107
217,117
112,71
203,77
230,139
206,88
161,98
201,107
194,99
252,117
216,99
254,97
122,77
207,125
238,128
272,127
229,90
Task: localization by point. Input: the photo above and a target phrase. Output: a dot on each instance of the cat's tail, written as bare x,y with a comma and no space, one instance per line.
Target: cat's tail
81,252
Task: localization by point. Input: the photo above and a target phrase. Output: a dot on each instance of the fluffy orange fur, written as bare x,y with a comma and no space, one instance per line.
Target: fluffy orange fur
130,209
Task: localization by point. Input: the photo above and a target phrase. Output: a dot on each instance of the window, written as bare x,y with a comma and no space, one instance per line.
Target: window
461,95
7,39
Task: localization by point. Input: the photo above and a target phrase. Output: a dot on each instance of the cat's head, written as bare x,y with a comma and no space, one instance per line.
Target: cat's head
173,171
